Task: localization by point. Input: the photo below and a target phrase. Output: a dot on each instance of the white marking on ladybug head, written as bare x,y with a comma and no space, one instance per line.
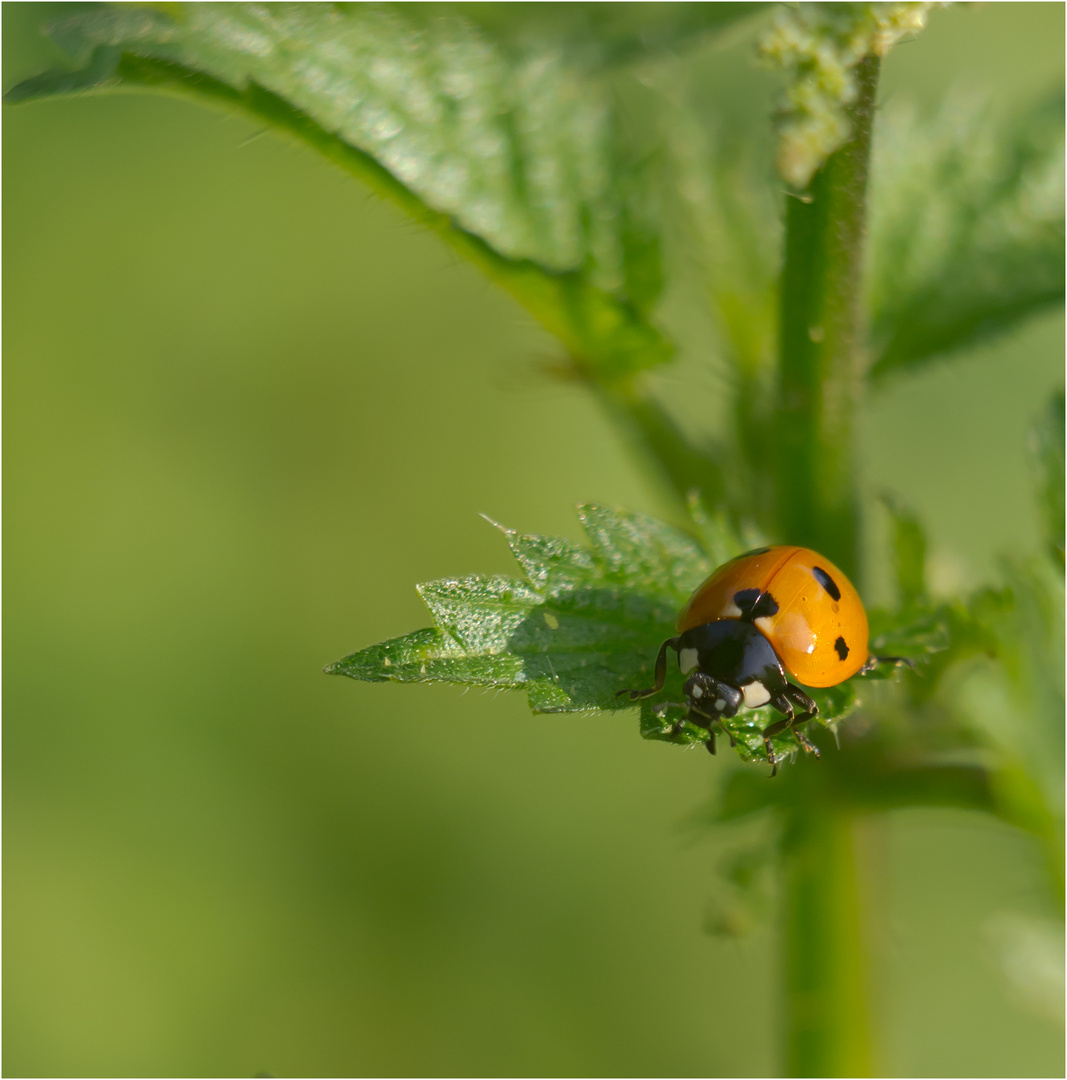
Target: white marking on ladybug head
756,694
688,660
697,691
720,704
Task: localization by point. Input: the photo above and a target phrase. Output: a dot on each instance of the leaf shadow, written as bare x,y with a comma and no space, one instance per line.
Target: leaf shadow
585,644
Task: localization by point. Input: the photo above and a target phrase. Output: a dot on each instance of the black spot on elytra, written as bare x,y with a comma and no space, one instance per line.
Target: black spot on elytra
755,604
841,647
827,582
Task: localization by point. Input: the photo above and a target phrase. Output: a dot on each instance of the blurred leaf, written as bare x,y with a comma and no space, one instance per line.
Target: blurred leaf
607,33
1003,680
743,900
717,535
1025,716
727,201
1048,447
1031,951
514,157
914,634
909,553
744,793
967,229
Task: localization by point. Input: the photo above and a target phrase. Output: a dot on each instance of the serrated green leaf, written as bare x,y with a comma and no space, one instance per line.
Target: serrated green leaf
480,613
634,550
585,624
428,656
571,634
1048,449
967,229
550,563
514,158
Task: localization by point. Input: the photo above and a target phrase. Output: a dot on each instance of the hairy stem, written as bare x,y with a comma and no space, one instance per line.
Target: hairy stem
828,1028
827,983
820,372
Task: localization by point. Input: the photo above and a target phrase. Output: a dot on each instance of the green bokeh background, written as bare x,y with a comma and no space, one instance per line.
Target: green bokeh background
248,407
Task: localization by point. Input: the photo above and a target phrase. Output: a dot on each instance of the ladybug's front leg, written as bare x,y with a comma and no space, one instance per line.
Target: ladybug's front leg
660,673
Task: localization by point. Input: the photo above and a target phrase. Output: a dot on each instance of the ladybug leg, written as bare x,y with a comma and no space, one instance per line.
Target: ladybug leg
800,699
705,722
803,740
776,729
784,703
660,673
810,710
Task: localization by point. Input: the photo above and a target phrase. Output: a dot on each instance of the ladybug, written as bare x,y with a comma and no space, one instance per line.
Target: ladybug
768,614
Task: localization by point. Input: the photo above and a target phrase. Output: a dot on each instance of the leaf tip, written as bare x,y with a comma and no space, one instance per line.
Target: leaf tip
496,524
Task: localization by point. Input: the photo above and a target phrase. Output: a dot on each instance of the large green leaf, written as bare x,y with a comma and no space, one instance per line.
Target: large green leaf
967,228
514,155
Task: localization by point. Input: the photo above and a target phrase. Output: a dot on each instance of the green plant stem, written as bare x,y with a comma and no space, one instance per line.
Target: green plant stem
820,362
828,1012
828,1028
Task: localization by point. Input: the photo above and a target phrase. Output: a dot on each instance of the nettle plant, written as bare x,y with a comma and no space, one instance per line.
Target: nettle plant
514,135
